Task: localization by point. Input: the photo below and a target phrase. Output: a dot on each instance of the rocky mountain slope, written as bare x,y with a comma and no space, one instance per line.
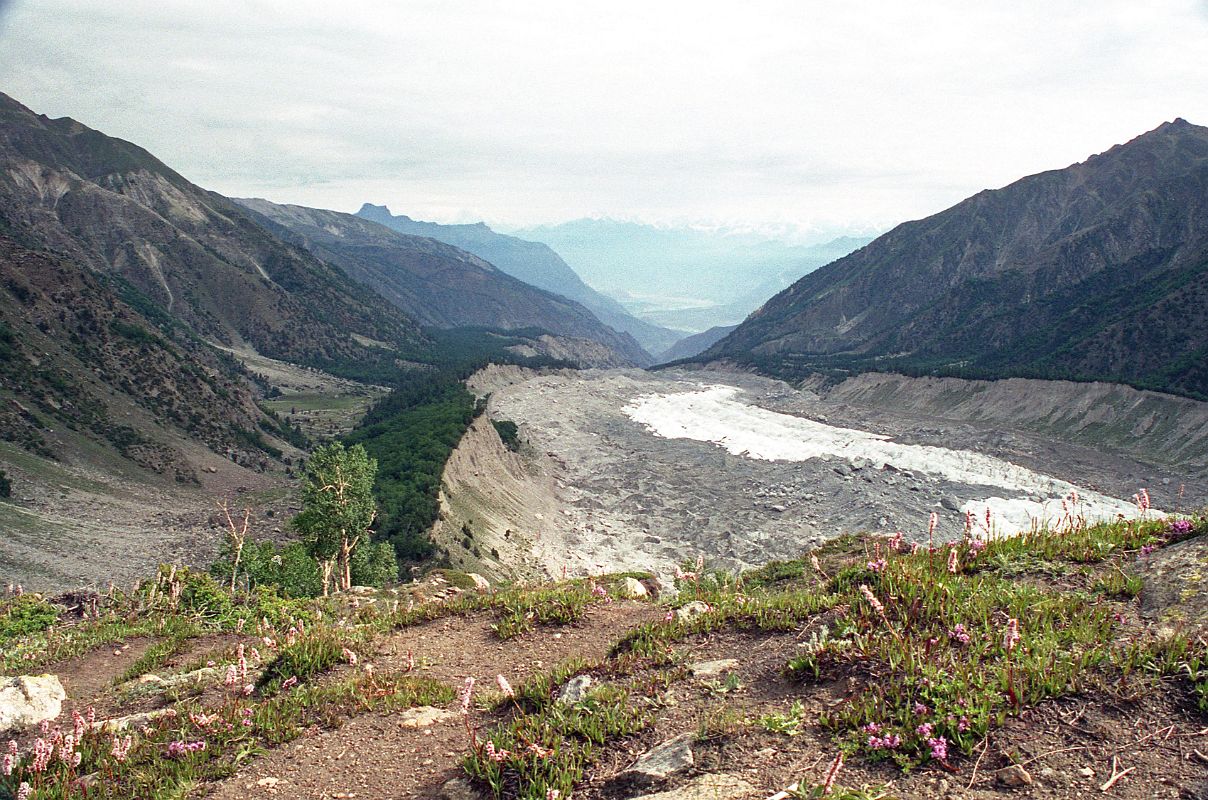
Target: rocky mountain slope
89,354
111,207
532,262
1095,271
436,283
696,344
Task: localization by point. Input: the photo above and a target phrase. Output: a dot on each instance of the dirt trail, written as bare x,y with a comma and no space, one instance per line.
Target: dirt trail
371,756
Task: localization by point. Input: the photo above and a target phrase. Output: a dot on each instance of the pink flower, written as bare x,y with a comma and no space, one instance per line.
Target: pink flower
553,794
891,742
232,676
895,541
954,564
495,755
9,764
538,751
939,748
1011,637
24,791
292,680
872,600
505,687
959,634
410,661
871,727
963,725
924,730
669,616
467,691
932,524
815,563
920,709
878,565
977,545
349,656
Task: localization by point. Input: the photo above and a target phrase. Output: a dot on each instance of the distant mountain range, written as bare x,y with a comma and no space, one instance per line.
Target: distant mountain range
532,262
435,283
684,278
1096,271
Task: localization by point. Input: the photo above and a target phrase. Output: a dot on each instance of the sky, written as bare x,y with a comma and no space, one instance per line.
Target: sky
794,118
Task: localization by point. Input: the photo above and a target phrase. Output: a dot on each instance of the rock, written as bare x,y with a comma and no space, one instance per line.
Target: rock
30,699
949,504
842,469
1086,772
779,509
1014,776
150,678
142,720
425,717
362,591
703,669
632,587
480,583
663,760
459,789
1175,587
706,787
691,610
575,690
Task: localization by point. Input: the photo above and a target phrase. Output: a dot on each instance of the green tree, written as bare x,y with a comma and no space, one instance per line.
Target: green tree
6,485
337,509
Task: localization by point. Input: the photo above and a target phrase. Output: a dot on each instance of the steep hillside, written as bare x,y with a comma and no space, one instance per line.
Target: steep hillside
532,262
110,206
1096,271
696,343
433,282
87,353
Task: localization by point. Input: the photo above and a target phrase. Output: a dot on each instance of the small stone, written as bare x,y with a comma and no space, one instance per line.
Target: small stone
949,504
424,717
691,611
150,678
632,587
575,690
268,783
1014,776
709,668
779,509
1086,772
458,789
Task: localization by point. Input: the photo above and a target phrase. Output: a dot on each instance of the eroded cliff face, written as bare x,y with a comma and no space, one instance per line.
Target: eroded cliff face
1156,427
498,513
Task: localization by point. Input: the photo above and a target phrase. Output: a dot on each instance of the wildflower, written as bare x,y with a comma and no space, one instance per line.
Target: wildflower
959,634
553,794
833,772
77,724
241,658
924,730
963,725
24,791
891,742
248,689
954,565
895,541
1146,550
505,687
920,709
467,690
878,565
872,600
349,656
939,748
493,754
121,748
292,680
410,661
1180,526
872,727
815,563
669,616
1011,637
539,751
42,751
8,764
232,676
246,716
977,545
932,524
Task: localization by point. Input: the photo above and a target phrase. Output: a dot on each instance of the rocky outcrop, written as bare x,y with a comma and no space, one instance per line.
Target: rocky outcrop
1176,584
29,699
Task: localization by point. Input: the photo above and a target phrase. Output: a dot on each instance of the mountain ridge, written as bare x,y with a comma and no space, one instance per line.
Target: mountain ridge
1057,274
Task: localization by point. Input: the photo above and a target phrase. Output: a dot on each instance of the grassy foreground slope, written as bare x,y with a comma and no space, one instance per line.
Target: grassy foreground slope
975,664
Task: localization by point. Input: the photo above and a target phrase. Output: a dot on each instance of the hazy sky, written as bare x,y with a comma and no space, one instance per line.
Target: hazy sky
810,114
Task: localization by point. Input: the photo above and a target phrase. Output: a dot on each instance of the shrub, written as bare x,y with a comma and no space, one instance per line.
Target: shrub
6,485
24,615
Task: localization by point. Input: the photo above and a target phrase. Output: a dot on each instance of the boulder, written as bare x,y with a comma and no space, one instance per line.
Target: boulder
632,587
142,720
663,760
425,717
29,699
480,583
690,611
1014,776
575,690
705,669
1176,584
706,787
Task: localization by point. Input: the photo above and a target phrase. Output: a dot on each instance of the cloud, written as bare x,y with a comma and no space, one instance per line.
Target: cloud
863,113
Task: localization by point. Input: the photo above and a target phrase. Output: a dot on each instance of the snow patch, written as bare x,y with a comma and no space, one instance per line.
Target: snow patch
716,414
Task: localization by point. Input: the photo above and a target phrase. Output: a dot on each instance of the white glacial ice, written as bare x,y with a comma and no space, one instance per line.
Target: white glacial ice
716,414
